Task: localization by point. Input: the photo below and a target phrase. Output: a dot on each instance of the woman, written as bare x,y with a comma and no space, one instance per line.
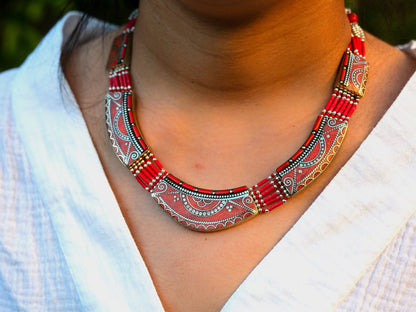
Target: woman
225,91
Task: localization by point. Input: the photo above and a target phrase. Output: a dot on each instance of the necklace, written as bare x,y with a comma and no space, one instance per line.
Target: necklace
210,210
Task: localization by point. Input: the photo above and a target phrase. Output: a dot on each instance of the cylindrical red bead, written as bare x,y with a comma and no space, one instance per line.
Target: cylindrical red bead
342,108
205,191
222,192
317,123
308,141
135,131
173,178
334,102
352,109
342,74
265,187
144,185
262,182
269,199
240,189
339,105
283,166
153,169
329,104
129,101
187,186
297,154
143,178
346,59
275,205
143,145
158,164
267,191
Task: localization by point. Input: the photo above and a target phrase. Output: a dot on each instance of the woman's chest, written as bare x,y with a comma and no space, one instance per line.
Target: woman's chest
194,271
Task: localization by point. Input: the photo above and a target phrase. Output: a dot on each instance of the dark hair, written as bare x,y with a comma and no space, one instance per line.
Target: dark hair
112,12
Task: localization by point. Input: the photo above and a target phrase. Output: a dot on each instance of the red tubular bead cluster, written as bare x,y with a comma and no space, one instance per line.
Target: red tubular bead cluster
119,80
341,105
343,101
269,193
147,170
119,75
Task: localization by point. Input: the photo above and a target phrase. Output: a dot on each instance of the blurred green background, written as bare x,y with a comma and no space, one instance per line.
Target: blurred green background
24,22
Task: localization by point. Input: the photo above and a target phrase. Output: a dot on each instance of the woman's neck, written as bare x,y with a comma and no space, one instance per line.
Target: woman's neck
234,48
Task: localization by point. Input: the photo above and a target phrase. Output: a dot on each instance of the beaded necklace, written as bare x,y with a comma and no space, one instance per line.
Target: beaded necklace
210,210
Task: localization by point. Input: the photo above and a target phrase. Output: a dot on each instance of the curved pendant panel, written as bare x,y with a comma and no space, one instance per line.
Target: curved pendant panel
317,157
127,149
203,212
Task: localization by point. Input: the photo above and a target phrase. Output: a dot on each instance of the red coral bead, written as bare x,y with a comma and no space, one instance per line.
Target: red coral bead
353,18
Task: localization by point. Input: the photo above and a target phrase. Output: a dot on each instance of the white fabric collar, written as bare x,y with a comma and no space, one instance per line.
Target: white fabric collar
311,269
106,267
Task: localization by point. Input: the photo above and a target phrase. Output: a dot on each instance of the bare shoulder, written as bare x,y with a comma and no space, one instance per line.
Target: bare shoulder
390,70
381,52
85,69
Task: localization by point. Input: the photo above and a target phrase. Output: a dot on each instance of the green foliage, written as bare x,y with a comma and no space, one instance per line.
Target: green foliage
394,21
22,26
23,23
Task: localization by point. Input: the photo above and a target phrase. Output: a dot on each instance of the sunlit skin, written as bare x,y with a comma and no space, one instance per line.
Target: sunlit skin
225,92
